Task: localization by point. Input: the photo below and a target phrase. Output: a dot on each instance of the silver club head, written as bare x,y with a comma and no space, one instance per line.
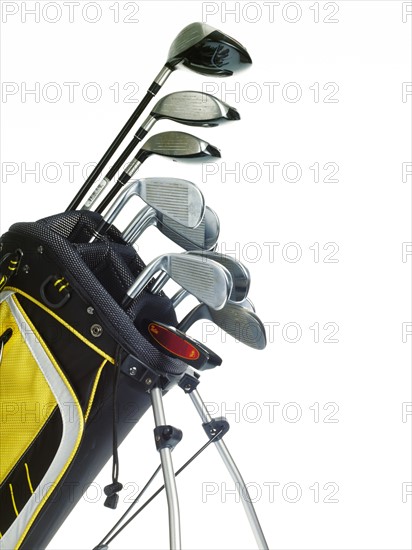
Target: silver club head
241,323
182,294
179,199
178,145
240,274
207,51
194,109
203,237
209,281
248,304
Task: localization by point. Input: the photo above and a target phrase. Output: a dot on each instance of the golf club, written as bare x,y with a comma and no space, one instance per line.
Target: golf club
190,108
241,323
209,281
203,237
198,47
240,275
181,294
179,199
177,145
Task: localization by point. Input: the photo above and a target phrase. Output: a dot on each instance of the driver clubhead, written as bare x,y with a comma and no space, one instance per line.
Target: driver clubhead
179,146
209,281
207,51
194,109
241,323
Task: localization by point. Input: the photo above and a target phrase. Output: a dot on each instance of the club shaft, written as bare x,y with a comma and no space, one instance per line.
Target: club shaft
153,90
110,196
134,229
188,321
141,282
159,283
179,297
111,173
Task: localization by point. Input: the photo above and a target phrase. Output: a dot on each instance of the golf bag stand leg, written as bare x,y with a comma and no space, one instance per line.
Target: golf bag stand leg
167,437
234,472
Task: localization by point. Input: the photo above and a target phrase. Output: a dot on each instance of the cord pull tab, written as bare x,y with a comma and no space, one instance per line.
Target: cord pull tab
111,491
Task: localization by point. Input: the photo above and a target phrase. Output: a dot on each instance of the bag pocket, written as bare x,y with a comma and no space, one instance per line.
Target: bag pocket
37,406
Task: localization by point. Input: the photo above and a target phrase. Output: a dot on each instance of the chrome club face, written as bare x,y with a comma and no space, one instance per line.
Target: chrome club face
178,145
203,237
239,273
182,294
241,323
194,109
179,199
209,281
207,51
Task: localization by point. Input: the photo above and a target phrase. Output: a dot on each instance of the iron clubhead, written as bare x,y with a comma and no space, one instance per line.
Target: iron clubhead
209,281
179,146
202,237
247,304
240,274
180,200
194,109
182,294
207,51
241,323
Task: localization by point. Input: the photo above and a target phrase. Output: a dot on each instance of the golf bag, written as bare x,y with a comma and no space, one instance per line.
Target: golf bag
73,364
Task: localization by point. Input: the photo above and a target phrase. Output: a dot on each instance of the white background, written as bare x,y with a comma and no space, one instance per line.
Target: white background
357,286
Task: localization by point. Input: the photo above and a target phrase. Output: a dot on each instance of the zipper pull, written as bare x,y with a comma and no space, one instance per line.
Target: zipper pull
4,338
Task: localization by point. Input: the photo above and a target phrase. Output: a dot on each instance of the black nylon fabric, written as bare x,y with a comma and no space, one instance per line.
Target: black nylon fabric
101,272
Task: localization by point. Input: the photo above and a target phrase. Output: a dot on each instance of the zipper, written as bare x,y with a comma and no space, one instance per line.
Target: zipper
4,338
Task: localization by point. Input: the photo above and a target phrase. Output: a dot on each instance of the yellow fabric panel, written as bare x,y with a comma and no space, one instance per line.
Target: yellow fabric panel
63,322
25,397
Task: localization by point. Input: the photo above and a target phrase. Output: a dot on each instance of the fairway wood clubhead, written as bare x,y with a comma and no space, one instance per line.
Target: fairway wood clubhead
193,109
239,273
203,237
179,199
178,145
209,281
207,51
177,344
241,323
